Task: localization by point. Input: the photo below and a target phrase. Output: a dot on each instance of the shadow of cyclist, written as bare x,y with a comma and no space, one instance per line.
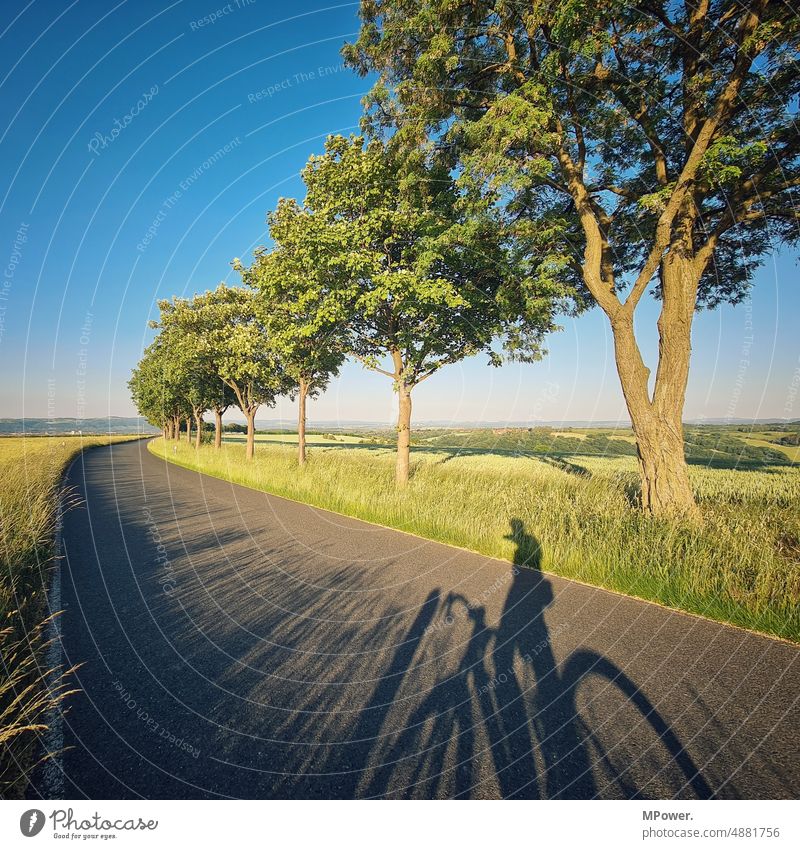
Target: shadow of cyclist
522,639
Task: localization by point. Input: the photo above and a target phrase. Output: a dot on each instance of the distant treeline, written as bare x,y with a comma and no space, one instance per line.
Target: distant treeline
702,444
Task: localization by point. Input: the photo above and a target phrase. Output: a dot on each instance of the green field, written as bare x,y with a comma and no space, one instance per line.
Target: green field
770,440
291,438
740,563
717,445
31,469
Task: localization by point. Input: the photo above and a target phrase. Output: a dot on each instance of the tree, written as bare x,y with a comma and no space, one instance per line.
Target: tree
652,146
145,394
390,255
293,286
198,385
195,383
228,328
188,366
155,392
221,398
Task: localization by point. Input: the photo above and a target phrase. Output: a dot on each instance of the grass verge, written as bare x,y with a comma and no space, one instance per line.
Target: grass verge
740,565
31,469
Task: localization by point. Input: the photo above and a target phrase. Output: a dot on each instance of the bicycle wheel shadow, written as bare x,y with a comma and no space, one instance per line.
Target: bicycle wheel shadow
508,719
572,755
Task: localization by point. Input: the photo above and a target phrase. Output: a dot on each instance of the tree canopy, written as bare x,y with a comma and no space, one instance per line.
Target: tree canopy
386,250
305,334
639,146
225,328
520,161
618,113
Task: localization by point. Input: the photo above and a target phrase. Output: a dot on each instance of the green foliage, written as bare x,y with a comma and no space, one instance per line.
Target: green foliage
532,102
176,376
227,339
538,440
305,332
155,387
708,445
385,250
713,445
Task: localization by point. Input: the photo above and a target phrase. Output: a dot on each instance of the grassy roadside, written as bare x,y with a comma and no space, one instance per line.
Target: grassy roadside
31,469
741,565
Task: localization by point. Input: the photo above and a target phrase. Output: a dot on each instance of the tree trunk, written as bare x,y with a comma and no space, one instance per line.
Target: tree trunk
217,429
301,423
199,422
403,434
658,422
666,488
189,430
176,427
251,434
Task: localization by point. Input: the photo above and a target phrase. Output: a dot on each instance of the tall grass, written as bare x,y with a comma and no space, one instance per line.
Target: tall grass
31,470
740,564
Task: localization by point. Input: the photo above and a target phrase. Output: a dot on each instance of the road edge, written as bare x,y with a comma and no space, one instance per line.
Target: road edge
660,605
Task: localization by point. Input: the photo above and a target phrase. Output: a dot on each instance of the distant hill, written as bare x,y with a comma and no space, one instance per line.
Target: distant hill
110,424
134,424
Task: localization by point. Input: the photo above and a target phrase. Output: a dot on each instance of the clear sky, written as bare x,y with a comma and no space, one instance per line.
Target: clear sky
142,145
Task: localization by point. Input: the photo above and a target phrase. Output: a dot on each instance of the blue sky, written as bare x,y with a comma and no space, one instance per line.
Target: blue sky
143,144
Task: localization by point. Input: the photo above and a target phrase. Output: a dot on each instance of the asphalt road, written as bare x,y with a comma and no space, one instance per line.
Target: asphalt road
234,644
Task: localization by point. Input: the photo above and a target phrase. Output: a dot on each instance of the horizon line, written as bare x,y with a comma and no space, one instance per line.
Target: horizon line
719,420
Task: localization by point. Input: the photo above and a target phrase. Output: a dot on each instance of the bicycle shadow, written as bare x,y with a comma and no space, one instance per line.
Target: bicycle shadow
511,705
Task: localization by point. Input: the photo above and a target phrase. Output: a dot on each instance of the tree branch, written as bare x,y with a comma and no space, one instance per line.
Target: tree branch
705,134
742,214
364,362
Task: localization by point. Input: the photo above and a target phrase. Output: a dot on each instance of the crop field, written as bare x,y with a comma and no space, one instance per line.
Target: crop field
718,445
739,563
773,442
31,469
291,438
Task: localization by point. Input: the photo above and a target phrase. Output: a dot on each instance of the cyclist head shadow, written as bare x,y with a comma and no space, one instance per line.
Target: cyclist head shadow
528,584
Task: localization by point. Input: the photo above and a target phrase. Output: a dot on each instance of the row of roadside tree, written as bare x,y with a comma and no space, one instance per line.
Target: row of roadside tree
387,261
521,163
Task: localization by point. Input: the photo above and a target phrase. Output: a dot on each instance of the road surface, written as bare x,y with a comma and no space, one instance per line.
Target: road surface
235,644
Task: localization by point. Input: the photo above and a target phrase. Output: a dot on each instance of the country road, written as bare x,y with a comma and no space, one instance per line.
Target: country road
235,644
